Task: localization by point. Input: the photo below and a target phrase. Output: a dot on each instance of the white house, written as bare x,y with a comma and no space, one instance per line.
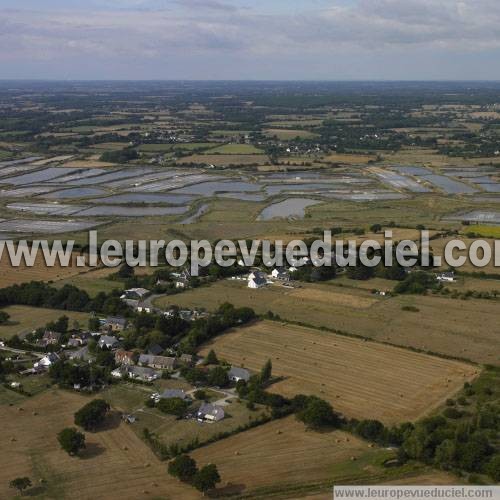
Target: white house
47,361
280,274
257,279
448,277
135,293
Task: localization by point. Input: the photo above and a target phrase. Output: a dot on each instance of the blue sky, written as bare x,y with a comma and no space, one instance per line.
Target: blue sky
239,39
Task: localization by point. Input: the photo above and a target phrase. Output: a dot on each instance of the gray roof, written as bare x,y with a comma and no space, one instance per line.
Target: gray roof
108,340
155,349
82,354
240,373
149,359
118,320
210,409
173,393
141,371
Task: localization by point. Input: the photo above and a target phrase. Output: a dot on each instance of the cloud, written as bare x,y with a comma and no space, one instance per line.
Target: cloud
155,29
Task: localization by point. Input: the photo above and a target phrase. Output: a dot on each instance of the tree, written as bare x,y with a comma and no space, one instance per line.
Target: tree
317,413
92,414
211,358
493,468
173,406
4,317
200,394
446,454
372,430
94,324
266,372
71,440
20,483
183,467
218,376
125,271
60,326
206,478
375,228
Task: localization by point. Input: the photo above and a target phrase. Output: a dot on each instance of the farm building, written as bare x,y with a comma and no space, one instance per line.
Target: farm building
174,393
159,362
236,374
210,413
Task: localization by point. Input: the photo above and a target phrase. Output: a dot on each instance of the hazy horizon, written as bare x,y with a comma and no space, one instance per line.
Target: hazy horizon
278,40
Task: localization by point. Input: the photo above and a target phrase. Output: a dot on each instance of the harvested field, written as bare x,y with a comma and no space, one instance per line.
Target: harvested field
39,272
279,452
360,379
438,248
115,465
24,319
466,332
322,296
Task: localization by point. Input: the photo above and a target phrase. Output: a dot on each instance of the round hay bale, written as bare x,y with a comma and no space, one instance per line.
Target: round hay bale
353,459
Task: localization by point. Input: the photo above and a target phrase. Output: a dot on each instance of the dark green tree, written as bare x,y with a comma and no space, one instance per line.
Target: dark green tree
266,372
183,467
211,358
20,483
4,317
206,478
173,406
317,413
493,468
92,414
218,376
71,440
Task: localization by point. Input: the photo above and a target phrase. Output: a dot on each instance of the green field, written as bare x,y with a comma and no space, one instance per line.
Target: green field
485,231
160,148
24,319
236,149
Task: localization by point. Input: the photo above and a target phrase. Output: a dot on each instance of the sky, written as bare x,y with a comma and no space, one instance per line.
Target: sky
250,39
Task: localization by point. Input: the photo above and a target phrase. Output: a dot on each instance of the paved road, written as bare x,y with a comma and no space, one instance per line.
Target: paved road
20,351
